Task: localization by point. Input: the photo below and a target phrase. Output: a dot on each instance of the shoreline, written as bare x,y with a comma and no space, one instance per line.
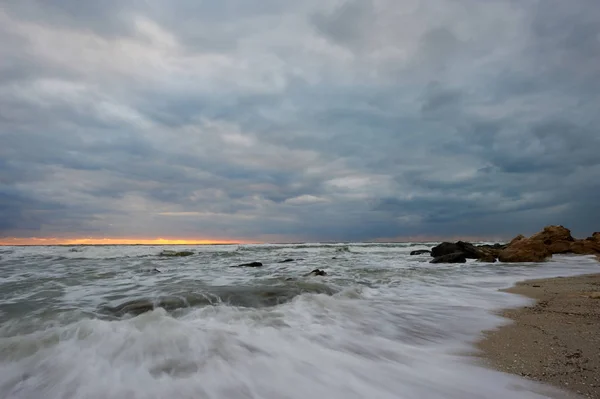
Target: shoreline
556,340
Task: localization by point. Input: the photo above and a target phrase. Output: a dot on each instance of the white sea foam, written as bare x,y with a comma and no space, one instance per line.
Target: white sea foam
396,326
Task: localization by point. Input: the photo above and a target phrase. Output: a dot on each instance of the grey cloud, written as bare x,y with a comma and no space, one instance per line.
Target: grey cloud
348,24
218,121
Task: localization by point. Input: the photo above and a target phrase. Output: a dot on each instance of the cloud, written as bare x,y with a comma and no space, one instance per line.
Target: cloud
328,120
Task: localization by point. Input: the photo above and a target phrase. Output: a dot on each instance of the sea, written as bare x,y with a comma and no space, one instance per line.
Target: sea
381,324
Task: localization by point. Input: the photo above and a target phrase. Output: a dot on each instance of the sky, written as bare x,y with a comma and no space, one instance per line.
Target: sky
308,120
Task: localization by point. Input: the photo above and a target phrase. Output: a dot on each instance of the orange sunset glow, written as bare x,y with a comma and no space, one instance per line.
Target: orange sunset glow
114,241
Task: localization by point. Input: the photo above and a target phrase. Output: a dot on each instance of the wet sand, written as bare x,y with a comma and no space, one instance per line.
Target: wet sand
556,340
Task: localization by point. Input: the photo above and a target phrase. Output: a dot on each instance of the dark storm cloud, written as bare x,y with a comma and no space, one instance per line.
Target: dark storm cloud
335,120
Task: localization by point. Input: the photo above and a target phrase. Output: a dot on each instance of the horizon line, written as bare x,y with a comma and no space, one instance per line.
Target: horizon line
55,241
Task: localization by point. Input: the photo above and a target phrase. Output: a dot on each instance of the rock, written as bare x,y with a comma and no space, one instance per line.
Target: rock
557,239
168,252
447,248
517,238
585,247
139,306
493,247
286,261
317,272
457,257
594,237
525,250
553,233
488,258
420,252
155,270
251,264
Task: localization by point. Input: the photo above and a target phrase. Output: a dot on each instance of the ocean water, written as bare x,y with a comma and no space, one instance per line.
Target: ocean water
382,324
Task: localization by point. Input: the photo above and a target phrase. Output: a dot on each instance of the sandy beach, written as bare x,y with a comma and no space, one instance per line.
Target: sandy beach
556,340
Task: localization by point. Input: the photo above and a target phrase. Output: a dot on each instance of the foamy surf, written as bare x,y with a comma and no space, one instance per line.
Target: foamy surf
387,326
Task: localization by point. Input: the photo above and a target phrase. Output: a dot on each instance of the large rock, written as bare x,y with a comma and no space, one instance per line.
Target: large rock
456,257
525,250
594,237
585,247
557,239
517,238
447,248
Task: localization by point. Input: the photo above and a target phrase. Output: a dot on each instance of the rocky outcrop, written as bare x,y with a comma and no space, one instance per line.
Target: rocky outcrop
557,239
517,238
585,247
420,252
551,240
525,250
456,257
251,264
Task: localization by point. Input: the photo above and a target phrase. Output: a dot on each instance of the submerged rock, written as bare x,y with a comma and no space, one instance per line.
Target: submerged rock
420,252
317,272
168,252
251,264
242,296
286,260
457,257
139,306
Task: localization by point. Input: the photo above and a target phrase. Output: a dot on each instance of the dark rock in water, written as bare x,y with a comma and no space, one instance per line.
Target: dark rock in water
168,252
242,296
286,261
447,248
335,257
317,272
485,253
421,252
251,264
457,257
139,306
155,270
488,258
